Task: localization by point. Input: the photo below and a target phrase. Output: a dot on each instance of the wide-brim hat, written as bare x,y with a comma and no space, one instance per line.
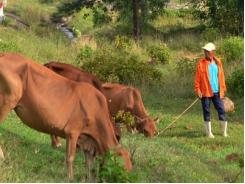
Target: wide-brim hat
209,47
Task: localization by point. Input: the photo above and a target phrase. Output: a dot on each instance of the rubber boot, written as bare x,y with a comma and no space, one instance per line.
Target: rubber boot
223,126
209,133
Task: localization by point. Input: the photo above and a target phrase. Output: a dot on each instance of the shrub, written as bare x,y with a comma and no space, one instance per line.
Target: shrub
186,66
227,16
123,42
83,20
176,13
110,64
112,170
85,52
236,83
232,49
76,31
8,46
100,15
125,118
159,53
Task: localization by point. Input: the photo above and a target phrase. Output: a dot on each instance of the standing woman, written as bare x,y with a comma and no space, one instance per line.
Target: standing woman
210,86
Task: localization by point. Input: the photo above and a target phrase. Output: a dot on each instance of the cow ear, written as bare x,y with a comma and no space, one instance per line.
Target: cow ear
156,120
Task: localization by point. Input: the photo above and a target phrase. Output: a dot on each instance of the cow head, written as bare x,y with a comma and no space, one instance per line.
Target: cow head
147,126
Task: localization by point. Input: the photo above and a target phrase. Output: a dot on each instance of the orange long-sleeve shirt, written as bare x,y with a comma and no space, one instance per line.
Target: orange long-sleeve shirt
202,83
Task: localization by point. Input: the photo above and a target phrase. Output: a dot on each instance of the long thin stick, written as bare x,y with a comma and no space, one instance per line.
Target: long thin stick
178,117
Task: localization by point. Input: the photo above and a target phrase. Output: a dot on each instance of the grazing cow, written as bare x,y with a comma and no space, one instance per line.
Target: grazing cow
75,74
119,97
128,99
55,105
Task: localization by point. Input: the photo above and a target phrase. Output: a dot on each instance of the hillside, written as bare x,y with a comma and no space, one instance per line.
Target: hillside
161,65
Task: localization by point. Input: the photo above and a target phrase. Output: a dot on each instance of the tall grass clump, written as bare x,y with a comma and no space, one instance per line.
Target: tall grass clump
186,66
180,81
211,34
236,83
123,42
112,170
8,46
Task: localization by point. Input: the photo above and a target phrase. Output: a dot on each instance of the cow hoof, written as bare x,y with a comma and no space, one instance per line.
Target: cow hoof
55,146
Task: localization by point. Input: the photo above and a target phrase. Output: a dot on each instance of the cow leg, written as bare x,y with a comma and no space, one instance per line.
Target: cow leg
4,110
10,93
90,149
71,141
89,159
55,142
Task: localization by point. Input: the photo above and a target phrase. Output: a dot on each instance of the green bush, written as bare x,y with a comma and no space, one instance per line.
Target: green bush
85,52
83,20
124,118
232,49
225,15
8,46
123,42
112,171
236,83
176,13
113,66
159,53
186,66
100,15
76,31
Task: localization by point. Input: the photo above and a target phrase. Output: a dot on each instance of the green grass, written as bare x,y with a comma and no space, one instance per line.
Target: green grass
181,154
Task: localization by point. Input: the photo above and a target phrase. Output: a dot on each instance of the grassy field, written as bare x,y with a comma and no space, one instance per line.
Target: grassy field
181,154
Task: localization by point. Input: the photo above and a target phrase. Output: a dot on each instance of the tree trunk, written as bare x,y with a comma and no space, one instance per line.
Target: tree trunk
136,27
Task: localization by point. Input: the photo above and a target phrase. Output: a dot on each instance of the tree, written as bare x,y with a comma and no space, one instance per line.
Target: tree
226,15
136,12
136,28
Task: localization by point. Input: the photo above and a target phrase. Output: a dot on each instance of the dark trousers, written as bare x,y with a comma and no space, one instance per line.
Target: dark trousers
218,104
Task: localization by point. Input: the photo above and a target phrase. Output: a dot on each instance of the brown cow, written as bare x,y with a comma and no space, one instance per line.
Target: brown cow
55,105
128,99
75,74
124,98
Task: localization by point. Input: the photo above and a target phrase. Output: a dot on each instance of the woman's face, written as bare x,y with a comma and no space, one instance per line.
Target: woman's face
209,54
